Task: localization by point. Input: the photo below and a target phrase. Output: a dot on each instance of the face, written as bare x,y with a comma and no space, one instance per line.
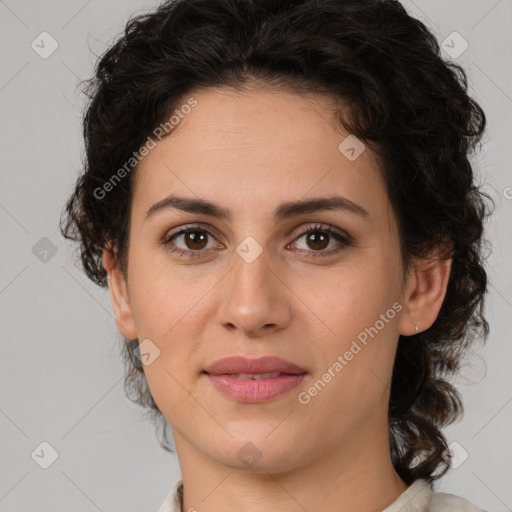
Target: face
322,288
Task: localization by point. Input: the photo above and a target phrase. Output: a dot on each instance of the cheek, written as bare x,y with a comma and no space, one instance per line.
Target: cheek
162,295
347,299
168,307
357,312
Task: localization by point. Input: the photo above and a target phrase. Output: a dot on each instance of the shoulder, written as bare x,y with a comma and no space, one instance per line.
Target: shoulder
420,497
442,501
174,500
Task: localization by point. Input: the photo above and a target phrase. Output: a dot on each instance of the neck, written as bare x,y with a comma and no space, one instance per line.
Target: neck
356,476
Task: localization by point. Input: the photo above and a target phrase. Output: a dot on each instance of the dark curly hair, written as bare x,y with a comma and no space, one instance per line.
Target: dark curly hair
403,99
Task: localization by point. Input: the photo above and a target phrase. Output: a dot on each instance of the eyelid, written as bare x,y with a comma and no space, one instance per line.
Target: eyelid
344,238
307,228
320,226
189,227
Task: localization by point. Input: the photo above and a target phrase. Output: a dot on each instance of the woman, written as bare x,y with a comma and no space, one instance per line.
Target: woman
279,197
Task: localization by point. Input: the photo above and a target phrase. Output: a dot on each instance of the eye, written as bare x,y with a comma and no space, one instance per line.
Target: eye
318,238
194,241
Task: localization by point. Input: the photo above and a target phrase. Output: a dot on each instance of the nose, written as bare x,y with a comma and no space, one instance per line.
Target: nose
255,299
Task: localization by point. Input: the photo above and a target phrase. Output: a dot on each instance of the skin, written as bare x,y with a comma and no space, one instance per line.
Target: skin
249,151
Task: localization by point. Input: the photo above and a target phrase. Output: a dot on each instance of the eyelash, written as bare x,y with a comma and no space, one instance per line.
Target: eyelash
346,241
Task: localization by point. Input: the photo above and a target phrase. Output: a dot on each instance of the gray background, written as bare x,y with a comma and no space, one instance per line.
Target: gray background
60,370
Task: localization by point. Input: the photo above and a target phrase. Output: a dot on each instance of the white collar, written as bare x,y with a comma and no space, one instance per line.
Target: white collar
415,498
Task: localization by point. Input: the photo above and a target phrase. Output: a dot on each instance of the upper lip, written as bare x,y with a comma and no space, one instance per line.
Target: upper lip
240,364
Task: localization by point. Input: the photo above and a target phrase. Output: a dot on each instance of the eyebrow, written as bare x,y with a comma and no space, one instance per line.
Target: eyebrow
283,211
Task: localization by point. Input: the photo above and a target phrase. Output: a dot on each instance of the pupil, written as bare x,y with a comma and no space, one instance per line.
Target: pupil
322,238
196,237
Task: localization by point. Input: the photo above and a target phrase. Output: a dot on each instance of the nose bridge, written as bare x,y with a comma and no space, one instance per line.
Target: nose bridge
252,268
253,296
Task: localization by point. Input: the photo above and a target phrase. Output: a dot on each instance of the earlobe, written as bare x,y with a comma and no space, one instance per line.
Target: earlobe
119,295
425,291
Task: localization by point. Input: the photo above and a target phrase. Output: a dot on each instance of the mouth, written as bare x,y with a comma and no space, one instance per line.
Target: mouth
260,368
254,376
249,388
259,380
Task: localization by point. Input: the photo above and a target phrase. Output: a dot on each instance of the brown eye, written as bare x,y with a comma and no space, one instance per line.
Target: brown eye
195,240
189,241
317,240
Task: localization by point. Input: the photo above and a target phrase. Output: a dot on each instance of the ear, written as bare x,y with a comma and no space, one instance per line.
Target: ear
119,294
425,290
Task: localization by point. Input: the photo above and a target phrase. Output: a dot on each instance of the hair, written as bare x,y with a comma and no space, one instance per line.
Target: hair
402,98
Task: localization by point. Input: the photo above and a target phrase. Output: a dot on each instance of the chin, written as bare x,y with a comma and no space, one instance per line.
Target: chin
259,453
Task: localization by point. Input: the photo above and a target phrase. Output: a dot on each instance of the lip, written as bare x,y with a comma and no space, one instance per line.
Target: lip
222,375
254,391
241,364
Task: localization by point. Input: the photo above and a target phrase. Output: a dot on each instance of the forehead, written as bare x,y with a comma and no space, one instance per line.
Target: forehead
252,118
249,148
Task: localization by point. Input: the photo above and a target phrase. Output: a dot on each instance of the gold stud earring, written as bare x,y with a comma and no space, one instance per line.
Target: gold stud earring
417,329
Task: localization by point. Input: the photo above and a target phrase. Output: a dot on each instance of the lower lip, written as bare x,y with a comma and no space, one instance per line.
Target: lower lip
255,391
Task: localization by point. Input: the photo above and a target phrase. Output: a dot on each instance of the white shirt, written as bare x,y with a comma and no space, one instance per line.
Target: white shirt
418,497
